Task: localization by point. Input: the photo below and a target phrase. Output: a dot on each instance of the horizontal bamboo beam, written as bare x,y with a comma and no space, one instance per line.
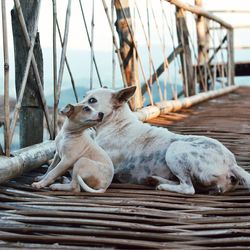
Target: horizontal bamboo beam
240,26
199,11
25,160
164,107
230,11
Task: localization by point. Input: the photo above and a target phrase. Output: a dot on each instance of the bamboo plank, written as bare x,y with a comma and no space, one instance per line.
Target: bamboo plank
137,214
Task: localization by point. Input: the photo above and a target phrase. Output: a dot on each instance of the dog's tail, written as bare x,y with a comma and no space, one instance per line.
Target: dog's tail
242,175
86,188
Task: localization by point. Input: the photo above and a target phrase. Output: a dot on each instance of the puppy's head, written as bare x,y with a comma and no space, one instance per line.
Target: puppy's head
107,100
82,115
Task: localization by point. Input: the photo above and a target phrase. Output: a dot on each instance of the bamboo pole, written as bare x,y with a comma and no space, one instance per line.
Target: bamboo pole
186,57
34,64
138,56
92,44
23,84
217,49
174,90
6,82
89,41
128,49
165,62
54,68
150,80
229,11
199,11
203,42
113,47
115,43
149,53
25,76
67,63
161,69
230,58
63,53
25,160
172,106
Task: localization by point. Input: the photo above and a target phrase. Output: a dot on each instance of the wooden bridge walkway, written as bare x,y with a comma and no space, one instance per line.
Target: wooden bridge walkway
139,217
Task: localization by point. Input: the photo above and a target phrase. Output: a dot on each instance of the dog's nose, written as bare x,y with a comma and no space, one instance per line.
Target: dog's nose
100,115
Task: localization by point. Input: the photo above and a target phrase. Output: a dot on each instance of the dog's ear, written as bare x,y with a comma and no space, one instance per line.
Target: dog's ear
67,110
124,94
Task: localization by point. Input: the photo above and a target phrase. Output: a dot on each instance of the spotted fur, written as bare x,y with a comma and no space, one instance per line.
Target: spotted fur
142,153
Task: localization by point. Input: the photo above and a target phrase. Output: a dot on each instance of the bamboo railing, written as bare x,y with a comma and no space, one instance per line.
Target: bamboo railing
203,73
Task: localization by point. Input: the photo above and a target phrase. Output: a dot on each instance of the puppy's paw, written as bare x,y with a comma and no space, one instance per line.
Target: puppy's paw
38,185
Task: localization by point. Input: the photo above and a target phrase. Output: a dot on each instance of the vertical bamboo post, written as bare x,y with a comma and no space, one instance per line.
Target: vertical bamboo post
127,50
186,58
54,68
63,53
230,56
31,115
89,41
113,47
34,63
92,44
6,82
203,43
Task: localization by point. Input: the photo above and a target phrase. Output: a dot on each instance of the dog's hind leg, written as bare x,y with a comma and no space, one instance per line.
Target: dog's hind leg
160,180
180,165
182,188
65,187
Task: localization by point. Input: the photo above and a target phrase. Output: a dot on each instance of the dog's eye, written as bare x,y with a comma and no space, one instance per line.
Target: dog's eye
86,109
92,100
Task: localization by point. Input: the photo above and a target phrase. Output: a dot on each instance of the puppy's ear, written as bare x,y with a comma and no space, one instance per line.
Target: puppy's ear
124,94
67,110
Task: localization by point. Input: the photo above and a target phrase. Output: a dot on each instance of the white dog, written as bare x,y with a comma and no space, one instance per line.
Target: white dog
92,168
143,153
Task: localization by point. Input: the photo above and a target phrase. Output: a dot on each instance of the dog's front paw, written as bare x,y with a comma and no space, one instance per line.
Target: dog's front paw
160,187
38,185
54,187
39,178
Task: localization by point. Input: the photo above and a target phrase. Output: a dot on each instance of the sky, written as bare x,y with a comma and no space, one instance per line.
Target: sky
102,35
78,43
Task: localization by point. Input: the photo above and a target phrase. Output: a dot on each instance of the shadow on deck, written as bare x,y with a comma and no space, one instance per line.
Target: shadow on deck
136,216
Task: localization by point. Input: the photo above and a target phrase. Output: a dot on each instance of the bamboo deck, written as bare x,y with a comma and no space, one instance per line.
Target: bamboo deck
139,217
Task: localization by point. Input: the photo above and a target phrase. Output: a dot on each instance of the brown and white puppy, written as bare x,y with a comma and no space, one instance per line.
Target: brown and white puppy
92,168
140,152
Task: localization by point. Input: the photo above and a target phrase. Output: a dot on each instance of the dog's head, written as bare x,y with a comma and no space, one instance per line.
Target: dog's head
107,100
82,115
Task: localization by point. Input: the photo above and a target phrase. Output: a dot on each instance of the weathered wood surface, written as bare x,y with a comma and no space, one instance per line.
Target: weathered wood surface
138,217
127,49
164,107
31,113
25,160
185,56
